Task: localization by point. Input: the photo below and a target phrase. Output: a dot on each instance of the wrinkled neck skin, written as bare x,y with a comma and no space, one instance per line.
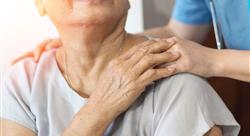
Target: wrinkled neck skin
85,44
88,50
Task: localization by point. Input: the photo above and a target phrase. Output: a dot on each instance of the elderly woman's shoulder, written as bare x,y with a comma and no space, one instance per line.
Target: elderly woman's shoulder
183,79
185,84
26,68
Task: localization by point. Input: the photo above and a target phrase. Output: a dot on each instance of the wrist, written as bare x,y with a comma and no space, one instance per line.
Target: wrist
88,121
217,64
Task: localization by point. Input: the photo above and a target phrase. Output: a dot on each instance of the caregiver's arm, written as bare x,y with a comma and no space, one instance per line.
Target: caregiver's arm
10,128
201,60
208,62
196,33
233,64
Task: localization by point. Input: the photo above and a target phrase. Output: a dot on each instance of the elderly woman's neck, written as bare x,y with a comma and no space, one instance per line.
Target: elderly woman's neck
88,46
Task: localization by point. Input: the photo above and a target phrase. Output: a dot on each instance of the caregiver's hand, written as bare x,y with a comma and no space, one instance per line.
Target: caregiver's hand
120,84
195,58
37,52
209,62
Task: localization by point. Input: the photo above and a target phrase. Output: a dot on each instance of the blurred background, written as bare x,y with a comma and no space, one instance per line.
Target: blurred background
21,29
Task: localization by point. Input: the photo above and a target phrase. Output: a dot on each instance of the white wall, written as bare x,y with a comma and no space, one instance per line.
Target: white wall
22,28
135,17
157,12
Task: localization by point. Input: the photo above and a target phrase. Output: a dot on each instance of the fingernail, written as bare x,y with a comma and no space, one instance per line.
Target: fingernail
170,41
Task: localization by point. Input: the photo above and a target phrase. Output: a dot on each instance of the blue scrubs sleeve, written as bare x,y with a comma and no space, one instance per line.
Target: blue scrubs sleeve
194,12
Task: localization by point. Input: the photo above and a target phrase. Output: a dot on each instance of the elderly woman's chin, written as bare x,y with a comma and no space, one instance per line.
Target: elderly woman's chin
89,17
85,12
94,18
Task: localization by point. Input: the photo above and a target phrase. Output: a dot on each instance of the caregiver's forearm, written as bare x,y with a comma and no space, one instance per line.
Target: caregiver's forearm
197,33
89,121
158,32
233,64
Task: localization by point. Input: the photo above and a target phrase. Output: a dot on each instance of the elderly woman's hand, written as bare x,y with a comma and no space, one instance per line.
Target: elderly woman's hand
195,58
125,78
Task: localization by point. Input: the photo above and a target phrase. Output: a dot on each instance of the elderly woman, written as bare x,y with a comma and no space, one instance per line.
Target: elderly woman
100,82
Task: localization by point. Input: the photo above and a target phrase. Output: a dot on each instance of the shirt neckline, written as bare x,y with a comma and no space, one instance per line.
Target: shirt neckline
74,98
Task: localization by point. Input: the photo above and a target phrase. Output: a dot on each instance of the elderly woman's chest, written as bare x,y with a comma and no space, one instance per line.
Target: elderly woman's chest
54,107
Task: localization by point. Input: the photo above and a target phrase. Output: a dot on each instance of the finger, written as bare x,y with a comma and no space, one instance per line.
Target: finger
166,64
155,47
138,55
38,52
171,62
134,49
44,43
153,60
161,46
40,49
152,75
172,39
25,55
56,43
178,66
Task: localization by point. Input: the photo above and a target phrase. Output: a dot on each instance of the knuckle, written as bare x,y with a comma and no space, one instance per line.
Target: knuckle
171,55
160,42
151,72
144,49
147,60
132,85
150,58
137,47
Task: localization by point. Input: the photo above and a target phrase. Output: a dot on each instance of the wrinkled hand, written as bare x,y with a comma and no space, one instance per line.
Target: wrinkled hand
195,58
126,77
38,51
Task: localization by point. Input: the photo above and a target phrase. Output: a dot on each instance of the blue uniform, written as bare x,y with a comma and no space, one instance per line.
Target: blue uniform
233,15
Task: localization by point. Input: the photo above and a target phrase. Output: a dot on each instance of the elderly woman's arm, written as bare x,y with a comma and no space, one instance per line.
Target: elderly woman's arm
10,128
89,121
